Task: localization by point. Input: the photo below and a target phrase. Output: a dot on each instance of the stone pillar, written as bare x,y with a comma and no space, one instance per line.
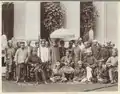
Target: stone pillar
19,20
100,33
72,9
118,26
32,20
112,21
26,20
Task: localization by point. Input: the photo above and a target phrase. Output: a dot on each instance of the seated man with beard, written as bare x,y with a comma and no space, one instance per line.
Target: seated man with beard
34,63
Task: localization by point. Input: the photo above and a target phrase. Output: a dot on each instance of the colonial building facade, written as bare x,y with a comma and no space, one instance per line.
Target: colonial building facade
27,20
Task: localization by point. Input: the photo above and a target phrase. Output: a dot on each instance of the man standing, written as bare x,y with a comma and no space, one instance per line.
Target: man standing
54,53
21,56
80,44
44,54
95,49
62,49
29,48
77,52
10,51
38,48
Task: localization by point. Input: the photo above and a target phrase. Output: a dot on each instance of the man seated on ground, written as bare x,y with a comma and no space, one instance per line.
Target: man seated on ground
67,63
102,73
34,63
90,62
112,64
57,76
80,72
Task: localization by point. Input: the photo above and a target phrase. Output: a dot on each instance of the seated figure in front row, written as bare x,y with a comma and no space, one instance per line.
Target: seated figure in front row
34,65
67,66
80,72
112,64
63,70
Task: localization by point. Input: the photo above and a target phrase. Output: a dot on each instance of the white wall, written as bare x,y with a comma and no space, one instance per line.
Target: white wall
107,22
72,9
26,20
19,19
100,21
32,20
112,21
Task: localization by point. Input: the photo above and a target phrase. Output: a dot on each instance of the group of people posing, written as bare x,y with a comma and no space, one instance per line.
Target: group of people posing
85,62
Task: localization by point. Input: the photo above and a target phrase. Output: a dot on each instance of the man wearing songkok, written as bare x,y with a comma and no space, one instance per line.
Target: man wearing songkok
20,59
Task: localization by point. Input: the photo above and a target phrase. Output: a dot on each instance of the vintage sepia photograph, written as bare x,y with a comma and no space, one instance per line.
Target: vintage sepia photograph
59,46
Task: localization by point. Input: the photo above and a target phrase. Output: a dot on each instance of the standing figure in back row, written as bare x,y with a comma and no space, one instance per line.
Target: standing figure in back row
10,52
54,54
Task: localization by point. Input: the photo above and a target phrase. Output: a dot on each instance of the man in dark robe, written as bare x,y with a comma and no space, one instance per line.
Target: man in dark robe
95,49
62,49
54,53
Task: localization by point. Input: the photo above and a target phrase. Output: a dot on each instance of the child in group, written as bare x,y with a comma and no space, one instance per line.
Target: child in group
80,72
112,64
90,63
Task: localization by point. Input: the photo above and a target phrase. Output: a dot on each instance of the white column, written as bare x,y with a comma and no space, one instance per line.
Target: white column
72,9
19,20
118,28
32,26
100,33
26,20
112,21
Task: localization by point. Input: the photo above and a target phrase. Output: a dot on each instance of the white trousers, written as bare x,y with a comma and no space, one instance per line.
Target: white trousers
89,73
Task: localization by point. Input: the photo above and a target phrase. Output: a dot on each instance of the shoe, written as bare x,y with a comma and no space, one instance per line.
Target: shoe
17,80
24,81
45,82
112,82
37,83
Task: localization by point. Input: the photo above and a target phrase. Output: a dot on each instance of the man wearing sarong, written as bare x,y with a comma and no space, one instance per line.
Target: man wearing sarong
45,57
67,63
54,53
10,52
35,66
